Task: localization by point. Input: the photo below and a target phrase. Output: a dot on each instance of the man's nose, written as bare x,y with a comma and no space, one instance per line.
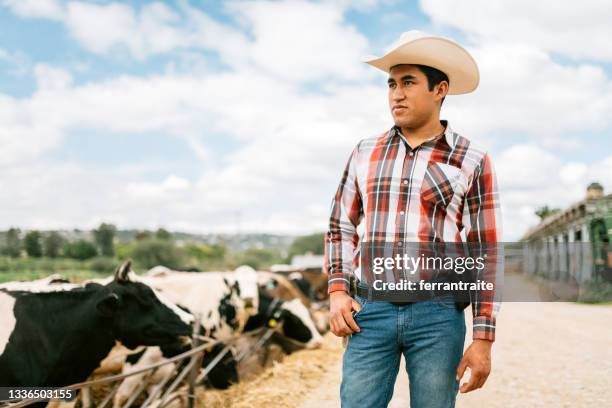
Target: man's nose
398,94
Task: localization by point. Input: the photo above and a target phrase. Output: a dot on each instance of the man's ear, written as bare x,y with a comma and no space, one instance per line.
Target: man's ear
108,305
442,89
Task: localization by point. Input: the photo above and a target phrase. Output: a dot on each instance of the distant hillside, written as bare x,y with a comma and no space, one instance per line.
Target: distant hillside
232,241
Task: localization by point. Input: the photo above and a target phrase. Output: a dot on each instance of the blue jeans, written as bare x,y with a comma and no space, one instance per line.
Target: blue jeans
430,334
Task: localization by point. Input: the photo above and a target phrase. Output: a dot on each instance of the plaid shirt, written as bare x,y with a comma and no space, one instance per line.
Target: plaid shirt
438,191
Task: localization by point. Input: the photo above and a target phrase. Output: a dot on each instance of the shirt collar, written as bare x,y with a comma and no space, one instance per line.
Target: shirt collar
449,135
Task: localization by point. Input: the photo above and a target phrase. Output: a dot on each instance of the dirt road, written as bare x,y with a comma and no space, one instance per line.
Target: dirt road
546,355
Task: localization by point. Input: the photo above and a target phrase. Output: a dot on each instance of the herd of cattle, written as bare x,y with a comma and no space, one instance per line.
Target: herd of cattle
57,333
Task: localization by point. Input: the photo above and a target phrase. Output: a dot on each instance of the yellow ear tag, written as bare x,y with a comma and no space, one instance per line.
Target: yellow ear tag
209,350
272,323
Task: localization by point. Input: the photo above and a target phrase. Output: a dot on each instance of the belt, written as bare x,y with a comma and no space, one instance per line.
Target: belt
364,292
371,294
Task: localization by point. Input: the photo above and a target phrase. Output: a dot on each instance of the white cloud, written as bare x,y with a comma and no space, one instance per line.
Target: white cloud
154,29
288,48
172,184
282,45
523,90
530,176
289,143
579,29
50,9
49,78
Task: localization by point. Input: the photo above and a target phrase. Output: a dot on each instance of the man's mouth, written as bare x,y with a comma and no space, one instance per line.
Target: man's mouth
399,109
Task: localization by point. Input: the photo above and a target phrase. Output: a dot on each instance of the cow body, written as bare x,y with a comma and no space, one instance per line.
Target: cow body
223,300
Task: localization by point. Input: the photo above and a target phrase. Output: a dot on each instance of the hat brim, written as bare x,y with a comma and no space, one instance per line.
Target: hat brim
445,55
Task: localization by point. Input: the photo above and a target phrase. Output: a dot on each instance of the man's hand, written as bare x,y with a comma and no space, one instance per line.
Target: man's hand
341,320
478,358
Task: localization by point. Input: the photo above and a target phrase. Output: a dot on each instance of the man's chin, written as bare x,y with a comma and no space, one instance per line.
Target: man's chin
403,122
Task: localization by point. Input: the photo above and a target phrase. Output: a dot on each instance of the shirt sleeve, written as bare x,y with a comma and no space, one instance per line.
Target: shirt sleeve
483,229
341,239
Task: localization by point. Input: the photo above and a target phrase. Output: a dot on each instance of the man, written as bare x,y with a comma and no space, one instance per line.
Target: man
420,181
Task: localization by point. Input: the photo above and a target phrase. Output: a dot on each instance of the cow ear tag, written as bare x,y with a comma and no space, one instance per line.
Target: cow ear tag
272,323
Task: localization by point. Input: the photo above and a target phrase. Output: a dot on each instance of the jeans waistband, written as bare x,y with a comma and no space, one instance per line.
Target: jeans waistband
369,293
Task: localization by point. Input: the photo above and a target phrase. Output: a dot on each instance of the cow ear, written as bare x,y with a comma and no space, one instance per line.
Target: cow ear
121,274
108,305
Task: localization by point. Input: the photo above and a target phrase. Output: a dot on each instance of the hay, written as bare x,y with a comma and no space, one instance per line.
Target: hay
284,384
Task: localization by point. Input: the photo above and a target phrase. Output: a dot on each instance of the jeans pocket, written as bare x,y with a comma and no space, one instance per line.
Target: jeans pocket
363,303
445,301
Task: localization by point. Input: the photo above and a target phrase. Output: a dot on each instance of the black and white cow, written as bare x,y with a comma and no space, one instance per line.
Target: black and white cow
302,284
217,297
55,335
293,317
223,300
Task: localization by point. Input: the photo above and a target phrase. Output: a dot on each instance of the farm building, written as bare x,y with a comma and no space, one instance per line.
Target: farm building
573,244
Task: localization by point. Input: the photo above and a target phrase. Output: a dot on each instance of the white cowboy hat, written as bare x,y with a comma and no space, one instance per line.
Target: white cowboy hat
416,47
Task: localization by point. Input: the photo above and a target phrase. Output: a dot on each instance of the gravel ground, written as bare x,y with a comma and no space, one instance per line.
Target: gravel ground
545,355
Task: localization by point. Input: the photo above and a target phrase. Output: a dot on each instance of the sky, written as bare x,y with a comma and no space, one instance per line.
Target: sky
236,116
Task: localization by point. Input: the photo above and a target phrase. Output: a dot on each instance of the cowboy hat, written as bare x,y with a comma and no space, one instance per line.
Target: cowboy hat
416,47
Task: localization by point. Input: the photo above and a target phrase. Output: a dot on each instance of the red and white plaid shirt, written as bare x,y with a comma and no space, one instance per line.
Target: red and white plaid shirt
444,190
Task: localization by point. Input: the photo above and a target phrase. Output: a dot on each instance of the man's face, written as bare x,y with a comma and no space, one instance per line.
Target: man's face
410,100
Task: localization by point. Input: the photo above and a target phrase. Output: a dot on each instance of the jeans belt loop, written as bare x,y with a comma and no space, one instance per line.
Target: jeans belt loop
370,294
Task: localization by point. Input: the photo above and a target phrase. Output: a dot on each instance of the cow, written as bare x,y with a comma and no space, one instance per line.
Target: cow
57,334
288,288
302,284
293,317
218,299
296,324
277,285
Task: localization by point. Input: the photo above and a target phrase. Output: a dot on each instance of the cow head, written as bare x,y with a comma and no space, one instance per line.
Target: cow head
232,307
140,315
296,323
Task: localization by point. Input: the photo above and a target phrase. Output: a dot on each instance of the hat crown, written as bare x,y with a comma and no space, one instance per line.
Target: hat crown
406,37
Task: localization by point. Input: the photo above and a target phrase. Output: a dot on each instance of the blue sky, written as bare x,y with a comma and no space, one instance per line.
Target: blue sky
183,114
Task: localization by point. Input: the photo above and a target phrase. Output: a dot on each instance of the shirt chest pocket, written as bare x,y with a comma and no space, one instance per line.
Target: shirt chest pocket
440,183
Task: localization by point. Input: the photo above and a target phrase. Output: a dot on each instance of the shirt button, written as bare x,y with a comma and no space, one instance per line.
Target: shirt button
401,213
411,153
405,181
400,243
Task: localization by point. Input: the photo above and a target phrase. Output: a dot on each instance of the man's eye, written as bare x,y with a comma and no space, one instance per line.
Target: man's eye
391,85
408,82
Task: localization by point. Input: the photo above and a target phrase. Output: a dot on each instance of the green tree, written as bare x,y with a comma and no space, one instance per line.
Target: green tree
52,244
162,233
544,212
207,256
104,237
12,247
32,244
259,258
308,243
152,252
142,235
80,249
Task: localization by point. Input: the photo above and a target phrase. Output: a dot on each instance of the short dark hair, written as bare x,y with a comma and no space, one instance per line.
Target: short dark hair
434,76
